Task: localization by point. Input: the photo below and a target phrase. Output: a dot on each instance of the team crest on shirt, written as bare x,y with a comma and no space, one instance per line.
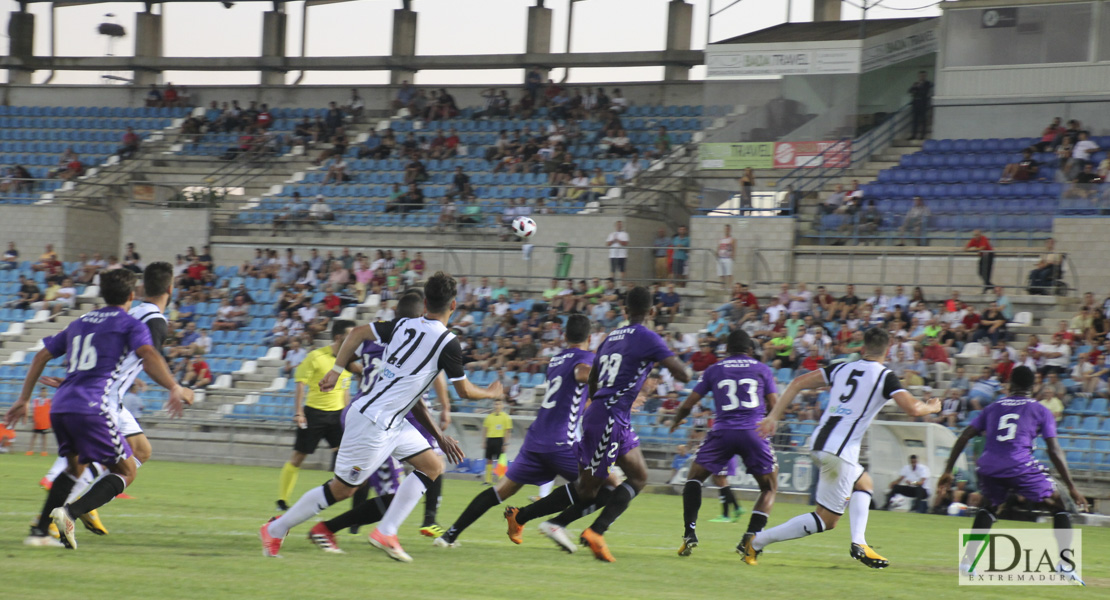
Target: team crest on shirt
353,475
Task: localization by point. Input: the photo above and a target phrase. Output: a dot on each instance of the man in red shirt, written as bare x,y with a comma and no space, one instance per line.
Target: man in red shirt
1003,367
130,144
979,243
703,358
197,374
332,303
264,120
451,144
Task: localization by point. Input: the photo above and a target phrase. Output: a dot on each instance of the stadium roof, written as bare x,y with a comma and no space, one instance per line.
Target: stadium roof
822,31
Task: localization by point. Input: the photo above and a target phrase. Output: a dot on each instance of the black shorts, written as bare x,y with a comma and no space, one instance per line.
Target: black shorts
616,265
320,424
493,448
42,431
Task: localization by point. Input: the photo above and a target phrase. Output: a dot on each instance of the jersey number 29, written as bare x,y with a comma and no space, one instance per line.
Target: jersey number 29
729,387
610,366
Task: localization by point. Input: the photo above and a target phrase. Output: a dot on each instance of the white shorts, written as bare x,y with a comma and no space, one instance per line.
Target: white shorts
128,426
724,267
838,478
366,446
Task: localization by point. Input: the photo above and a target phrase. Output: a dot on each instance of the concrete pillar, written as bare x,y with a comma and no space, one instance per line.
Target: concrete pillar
680,27
826,10
539,30
148,44
21,33
404,43
273,45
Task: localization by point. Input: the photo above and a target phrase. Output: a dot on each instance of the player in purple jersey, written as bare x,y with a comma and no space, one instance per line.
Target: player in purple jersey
548,448
83,411
743,391
1007,466
623,362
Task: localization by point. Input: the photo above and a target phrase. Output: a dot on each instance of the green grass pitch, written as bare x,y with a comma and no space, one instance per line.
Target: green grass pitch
192,533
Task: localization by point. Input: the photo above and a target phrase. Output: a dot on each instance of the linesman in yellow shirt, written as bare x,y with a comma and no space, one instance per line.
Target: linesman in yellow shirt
318,417
498,426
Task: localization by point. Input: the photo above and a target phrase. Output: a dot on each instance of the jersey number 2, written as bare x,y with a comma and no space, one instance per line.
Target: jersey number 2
409,334
1007,423
552,389
729,386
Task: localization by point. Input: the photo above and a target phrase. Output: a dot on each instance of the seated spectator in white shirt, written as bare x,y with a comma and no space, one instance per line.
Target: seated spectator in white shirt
320,211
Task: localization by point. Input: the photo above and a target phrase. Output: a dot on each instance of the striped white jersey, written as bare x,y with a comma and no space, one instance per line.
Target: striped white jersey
857,392
416,350
151,316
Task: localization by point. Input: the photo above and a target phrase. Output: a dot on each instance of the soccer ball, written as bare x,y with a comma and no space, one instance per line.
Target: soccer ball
958,509
524,227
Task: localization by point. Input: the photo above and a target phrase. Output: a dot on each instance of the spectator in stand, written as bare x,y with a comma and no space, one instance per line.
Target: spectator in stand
10,261
1043,277
406,94
153,97
47,260
131,259
354,106
170,97
916,220
834,201
130,144
337,170
631,168
1025,169
747,184
984,389
1050,136
661,247
320,212
1056,356
296,212
668,306
1081,153
197,374
979,243
58,298
460,185
617,242
920,93
726,251
680,246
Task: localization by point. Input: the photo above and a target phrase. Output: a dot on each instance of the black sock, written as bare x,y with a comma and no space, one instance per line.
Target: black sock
578,510
59,491
102,492
983,520
431,501
615,507
368,512
362,493
728,500
691,504
1061,520
557,501
732,499
481,503
757,523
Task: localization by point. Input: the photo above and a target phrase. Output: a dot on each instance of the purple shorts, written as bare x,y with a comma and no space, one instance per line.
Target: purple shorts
537,467
387,478
93,438
603,441
1034,485
723,445
730,468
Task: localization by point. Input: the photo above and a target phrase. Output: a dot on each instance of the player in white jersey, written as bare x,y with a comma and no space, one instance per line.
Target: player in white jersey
157,291
417,350
857,392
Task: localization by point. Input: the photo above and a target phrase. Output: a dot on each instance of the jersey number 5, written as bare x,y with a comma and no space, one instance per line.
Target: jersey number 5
853,383
1007,423
729,386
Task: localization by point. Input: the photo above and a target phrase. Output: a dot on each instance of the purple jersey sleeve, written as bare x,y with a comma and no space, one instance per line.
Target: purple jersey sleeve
979,422
704,386
659,352
56,344
139,336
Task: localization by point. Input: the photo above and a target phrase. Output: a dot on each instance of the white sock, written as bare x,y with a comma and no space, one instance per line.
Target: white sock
407,497
859,506
546,488
799,526
311,504
58,466
84,482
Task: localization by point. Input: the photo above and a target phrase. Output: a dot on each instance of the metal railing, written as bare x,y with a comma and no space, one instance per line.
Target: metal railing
811,179
930,268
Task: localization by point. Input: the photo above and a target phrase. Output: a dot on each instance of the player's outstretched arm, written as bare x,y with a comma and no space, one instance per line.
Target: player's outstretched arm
677,369
159,371
440,386
449,446
966,436
914,407
18,411
809,381
1056,455
469,391
347,353
684,409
